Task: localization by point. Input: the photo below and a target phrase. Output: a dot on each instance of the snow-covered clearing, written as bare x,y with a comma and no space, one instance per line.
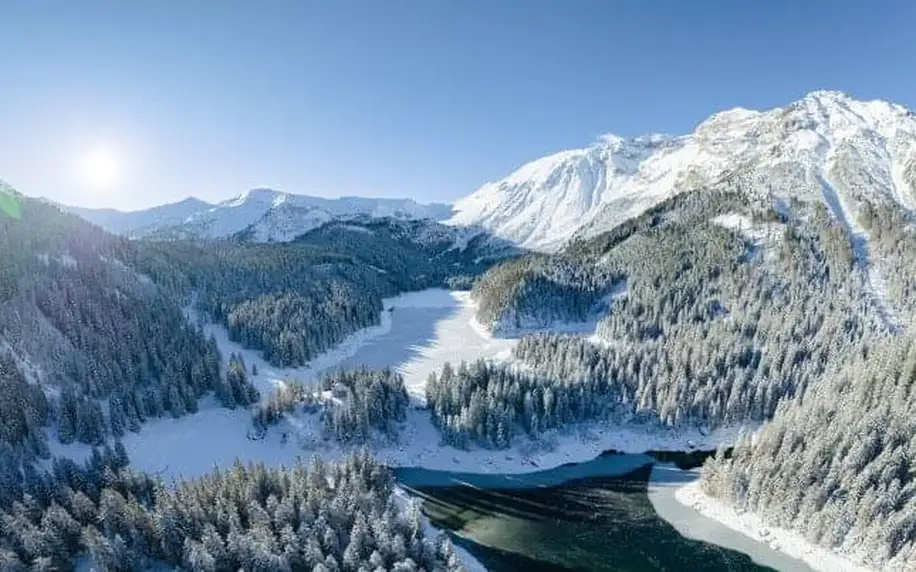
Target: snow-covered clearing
741,223
760,235
143,278
753,527
64,259
356,228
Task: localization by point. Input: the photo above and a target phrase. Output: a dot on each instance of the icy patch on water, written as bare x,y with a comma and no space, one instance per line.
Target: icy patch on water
749,530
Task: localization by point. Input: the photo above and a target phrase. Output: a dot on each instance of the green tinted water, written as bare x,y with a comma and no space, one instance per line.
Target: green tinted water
593,516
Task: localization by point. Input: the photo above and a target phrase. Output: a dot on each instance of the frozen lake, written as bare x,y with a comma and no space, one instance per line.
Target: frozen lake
427,329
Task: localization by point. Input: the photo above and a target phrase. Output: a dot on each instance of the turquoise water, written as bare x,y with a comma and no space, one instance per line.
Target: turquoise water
605,465
591,516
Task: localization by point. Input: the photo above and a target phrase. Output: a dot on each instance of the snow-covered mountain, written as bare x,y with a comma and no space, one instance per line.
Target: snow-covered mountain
143,221
290,216
826,147
263,215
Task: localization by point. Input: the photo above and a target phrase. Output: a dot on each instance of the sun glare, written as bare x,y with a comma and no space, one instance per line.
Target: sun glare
99,170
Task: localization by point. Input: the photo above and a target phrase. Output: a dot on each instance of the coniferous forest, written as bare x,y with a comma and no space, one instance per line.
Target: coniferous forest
99,334
352,404
322,516
708,310
100,321
723,326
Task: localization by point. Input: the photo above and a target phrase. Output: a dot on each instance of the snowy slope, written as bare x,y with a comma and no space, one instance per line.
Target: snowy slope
143,221
286,220
268,215
265,214
827,143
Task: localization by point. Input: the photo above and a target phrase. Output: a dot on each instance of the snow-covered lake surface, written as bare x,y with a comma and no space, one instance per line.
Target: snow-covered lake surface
418,332
427,329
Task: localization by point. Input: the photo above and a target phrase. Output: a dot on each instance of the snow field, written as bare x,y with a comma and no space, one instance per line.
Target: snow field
425,329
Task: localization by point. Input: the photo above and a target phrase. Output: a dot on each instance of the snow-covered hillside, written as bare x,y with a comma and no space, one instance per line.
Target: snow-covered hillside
265,215
135,223
826,147
286,220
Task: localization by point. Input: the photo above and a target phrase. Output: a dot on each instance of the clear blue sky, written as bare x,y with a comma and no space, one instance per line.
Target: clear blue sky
420,98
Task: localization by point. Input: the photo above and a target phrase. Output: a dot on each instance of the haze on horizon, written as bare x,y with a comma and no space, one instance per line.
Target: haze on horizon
130,105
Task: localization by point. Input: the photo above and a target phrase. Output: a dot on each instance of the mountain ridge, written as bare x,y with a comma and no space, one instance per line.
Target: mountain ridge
274,216
825,147
585,191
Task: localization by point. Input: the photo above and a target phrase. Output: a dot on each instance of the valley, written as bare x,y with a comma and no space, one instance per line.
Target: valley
425,330
288,382
457,287
417,333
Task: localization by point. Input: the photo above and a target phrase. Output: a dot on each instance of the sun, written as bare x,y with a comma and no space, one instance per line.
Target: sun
99,169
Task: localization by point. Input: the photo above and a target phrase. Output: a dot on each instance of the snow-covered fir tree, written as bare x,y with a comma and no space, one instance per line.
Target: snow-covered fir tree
334,516
352,404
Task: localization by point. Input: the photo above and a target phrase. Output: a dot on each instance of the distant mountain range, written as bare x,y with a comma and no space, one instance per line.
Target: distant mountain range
264,215
826,147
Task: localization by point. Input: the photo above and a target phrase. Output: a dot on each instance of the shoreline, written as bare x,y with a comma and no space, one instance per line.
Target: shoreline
752,526
471,564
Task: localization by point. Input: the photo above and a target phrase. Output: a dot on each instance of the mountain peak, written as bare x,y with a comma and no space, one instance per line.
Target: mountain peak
828,95
189,200
837,105
611,141
8,189
257,194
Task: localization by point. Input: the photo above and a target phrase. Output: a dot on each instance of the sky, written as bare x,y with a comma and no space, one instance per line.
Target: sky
133,104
